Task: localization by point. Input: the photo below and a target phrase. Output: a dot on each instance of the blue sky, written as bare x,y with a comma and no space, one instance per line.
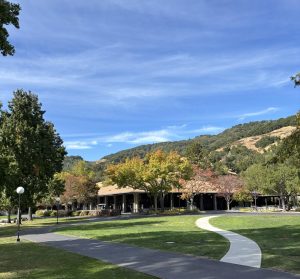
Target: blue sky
114,74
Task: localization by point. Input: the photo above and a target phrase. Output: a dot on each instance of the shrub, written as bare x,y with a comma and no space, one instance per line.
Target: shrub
43,213
265,141
297,209
75,213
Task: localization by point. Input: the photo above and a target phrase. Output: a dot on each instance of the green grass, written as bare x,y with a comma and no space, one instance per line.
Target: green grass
277,236
11,229
156,232
26,260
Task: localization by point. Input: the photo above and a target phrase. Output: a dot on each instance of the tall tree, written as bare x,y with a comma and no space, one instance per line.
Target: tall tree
33,144
9,14
255,180
157,174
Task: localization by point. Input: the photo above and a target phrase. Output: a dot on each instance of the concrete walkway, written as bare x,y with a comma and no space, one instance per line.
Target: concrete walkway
157,263
242,251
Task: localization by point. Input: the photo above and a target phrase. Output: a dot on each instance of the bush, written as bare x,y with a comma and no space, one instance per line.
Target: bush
75,213
297,209
43,213
266,141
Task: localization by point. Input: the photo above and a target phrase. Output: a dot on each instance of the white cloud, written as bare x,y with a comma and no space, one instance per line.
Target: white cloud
170,133
257,113
78,145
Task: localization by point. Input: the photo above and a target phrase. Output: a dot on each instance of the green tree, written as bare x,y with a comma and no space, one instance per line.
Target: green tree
283,181
255,179
9,14
156,175
32,143
198,154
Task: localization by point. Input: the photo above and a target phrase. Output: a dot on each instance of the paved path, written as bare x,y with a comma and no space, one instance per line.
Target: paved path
157,263
242,251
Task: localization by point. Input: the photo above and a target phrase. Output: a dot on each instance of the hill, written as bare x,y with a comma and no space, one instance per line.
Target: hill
247,134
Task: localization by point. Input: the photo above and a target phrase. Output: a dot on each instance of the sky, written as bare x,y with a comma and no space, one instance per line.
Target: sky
115,74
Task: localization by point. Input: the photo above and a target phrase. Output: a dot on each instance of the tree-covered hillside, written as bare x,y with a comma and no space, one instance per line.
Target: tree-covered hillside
223,139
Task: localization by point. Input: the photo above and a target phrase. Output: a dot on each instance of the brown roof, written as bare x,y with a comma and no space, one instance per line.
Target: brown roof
115,190
110,190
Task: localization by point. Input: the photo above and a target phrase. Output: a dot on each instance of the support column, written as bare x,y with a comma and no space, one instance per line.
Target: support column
91,206
124,203
115,203
171,201
215,201
98,201
201,202
136,202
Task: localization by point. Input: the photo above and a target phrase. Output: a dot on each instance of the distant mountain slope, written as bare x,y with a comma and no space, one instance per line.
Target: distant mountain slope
251,142
228,137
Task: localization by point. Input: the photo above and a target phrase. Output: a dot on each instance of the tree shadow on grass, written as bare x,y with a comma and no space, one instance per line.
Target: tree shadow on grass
29,260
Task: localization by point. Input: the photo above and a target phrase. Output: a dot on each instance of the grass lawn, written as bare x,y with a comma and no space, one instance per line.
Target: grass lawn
29,260
26,260
277,236
156,232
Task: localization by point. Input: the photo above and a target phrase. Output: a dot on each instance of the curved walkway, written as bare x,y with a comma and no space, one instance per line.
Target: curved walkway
242,251
162,264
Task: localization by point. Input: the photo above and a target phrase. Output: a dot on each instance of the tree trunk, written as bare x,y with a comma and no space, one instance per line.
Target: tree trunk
228,205
8,216
283,203
162,202
155,203
29,213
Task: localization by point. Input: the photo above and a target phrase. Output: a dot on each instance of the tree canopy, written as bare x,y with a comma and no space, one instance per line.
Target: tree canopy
9,14
33,150
157,174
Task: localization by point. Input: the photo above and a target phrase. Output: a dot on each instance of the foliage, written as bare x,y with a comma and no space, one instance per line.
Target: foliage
198,154
32,147
227,186
243,195
211,143
157,174
9,14
198,183
266,141
255,178
79,184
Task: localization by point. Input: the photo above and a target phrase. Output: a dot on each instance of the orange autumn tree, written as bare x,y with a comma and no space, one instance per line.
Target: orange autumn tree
200,182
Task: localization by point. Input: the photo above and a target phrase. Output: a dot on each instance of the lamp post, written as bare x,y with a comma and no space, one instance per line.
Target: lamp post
20,191
57,204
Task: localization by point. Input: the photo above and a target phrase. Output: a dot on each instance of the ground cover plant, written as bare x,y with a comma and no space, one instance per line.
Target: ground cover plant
277,235
30,260
171,233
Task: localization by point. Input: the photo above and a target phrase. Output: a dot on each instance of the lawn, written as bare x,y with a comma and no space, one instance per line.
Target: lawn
278,237
172,233
30,260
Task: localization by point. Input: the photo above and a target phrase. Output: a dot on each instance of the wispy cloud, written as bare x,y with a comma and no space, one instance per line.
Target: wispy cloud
78,145
170,133
257,113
